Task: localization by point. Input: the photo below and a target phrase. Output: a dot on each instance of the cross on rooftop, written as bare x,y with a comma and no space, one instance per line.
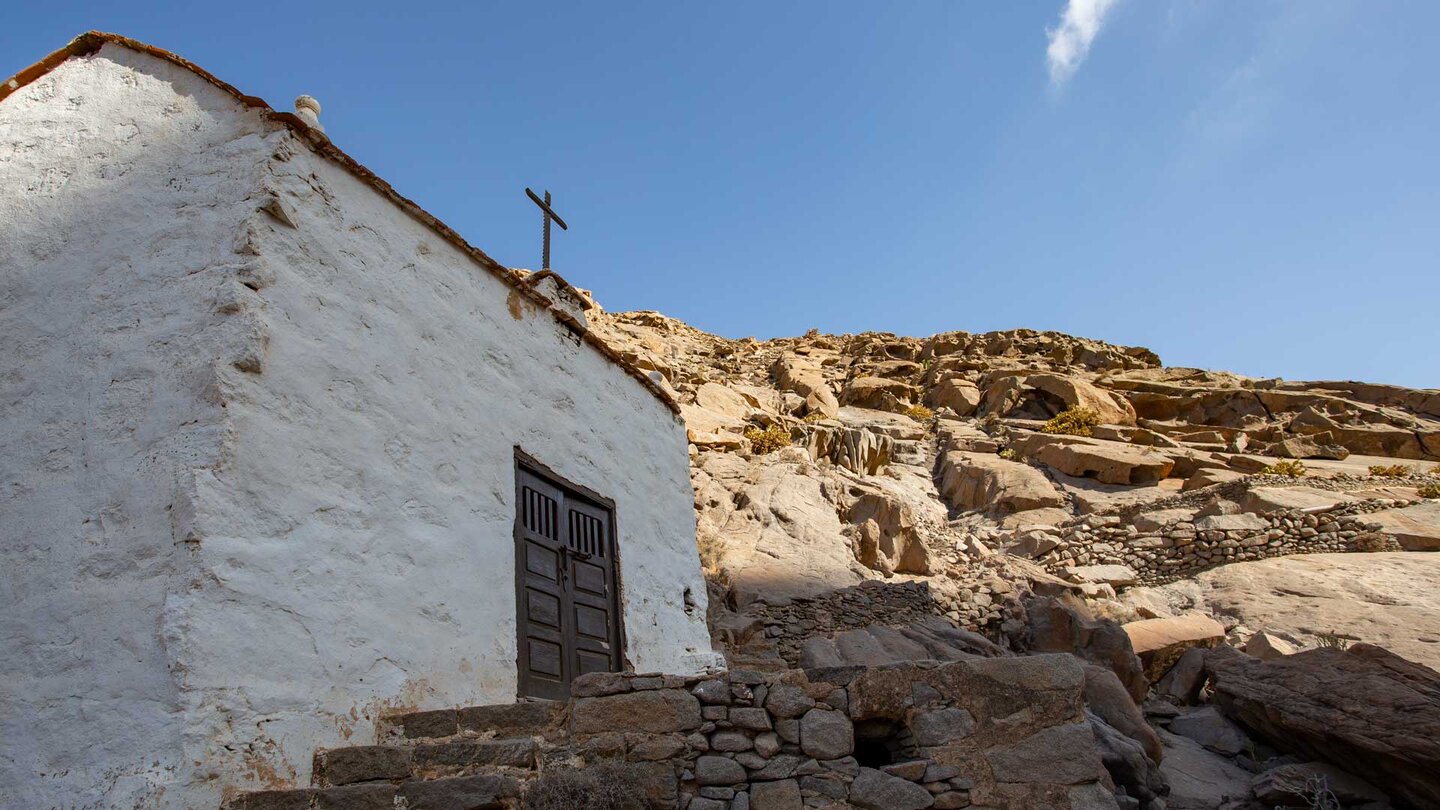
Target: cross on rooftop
548,214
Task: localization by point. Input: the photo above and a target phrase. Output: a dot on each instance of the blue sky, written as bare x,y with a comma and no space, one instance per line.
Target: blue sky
1236,184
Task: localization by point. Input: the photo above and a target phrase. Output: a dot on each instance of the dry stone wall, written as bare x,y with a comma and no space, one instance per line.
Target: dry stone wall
1181,548
994,733
977,605
987,733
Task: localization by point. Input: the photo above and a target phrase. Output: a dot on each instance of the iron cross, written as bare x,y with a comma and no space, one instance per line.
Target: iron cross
548,214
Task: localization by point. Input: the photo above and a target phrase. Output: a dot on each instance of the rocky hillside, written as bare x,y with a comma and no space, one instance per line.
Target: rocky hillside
826,460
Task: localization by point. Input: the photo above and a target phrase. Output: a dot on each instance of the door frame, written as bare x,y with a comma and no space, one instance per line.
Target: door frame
533,466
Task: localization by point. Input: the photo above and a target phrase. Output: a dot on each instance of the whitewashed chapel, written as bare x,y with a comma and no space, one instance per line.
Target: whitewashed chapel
279,451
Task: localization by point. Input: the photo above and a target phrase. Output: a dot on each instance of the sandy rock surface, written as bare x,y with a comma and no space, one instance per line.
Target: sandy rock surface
1388,599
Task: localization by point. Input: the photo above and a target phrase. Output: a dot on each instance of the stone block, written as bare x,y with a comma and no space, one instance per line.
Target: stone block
419,725
730,741
826,734
600,684
512,719
379,796
750,718
713,691
785,700
783,794
913,771
519,753
456,793
363,763
274,800
715,770
767,744
654,747
1061,755
873,790
941,726
659,711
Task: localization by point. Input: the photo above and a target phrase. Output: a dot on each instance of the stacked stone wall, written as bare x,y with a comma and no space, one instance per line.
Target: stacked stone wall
977,604
994,733
1182,548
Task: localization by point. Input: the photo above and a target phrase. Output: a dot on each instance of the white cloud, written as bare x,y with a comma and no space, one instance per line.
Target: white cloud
1070,42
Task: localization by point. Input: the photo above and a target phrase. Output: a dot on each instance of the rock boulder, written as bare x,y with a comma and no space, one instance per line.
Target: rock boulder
1365,708
1160,642
986,481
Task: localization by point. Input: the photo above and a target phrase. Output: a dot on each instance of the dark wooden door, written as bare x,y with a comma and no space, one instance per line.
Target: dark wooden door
566,580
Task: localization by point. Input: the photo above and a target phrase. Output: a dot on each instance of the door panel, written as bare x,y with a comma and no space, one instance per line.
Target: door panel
568,621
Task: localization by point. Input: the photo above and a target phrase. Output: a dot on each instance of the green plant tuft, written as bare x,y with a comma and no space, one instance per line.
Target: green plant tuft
1286,467
763,442
1009,454
1075,421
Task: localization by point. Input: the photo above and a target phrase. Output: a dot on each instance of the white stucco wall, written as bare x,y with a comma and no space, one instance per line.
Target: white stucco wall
361,530
122,184
237,523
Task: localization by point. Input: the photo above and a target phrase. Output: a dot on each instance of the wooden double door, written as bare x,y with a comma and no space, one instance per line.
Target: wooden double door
566,583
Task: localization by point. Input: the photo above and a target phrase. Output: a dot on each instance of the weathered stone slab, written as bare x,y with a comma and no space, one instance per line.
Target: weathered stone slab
658,712
1161,642
1062,755
1415,528
1365,708
874,790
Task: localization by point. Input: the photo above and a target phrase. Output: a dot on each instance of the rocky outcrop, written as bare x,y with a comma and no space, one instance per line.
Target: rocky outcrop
1053,626
1107,462
888,540
986,481
1160,642
878,393
804,378
1388,599
1074,392
1415,528
856,449
1365,709
960,396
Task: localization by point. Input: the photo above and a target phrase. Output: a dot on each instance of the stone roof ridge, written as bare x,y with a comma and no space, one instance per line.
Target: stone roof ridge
91,42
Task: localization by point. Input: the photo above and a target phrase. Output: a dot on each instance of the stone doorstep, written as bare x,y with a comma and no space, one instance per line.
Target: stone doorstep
370,763
504,720
483,792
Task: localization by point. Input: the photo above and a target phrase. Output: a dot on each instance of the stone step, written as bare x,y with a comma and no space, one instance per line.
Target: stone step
427,760
477,792
534,718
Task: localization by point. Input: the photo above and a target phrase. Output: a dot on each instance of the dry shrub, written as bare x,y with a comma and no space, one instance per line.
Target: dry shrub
603,786
768,440
1286,467
813,417
1075,421
1334,641
712,555
1373,541
920,413
1009,454
1430,490
1393,471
